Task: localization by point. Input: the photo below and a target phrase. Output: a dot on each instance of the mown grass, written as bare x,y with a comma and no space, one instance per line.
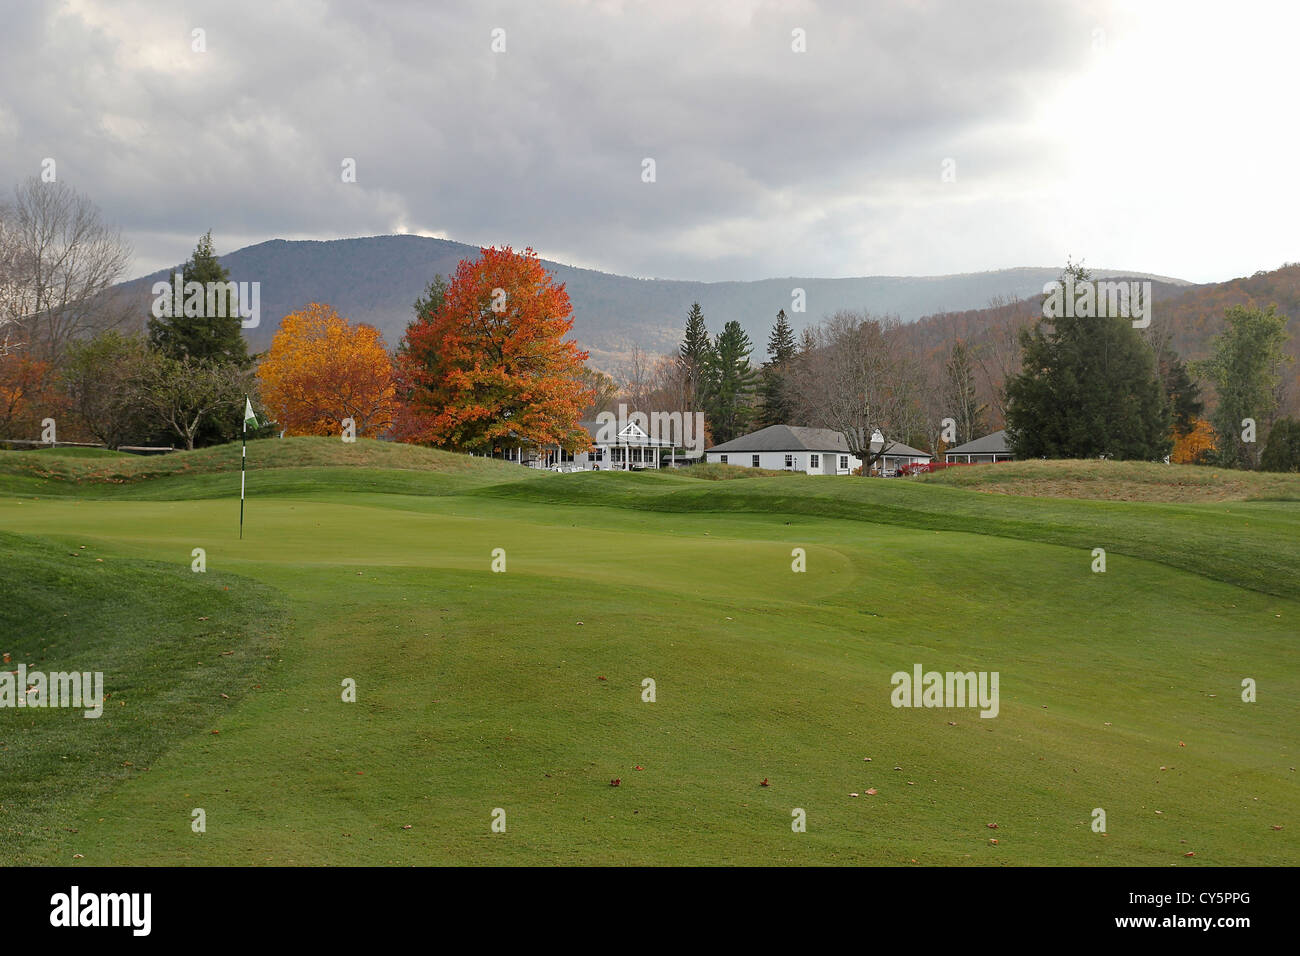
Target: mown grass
523,690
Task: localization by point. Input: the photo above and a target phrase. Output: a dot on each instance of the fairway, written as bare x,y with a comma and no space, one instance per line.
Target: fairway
519,694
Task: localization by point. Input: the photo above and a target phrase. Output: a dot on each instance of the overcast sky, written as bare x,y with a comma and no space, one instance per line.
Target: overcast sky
1162,139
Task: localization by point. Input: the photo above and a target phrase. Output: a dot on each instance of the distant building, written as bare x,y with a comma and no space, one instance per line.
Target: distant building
630,449
988,449
814,451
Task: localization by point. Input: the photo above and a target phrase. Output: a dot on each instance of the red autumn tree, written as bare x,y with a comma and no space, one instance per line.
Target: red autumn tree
489,366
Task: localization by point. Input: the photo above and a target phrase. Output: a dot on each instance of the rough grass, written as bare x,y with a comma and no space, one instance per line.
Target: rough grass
170,643
716,471
1119,481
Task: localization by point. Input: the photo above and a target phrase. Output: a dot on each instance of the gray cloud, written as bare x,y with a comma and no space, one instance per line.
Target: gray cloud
769,162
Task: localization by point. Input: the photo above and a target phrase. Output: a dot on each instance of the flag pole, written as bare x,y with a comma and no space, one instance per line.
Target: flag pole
243,455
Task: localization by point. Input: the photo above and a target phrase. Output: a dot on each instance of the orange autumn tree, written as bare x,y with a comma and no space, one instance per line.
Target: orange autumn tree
489,366
1194,447
321,369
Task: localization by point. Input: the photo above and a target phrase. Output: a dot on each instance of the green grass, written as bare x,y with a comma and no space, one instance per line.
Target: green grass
169,643
480,690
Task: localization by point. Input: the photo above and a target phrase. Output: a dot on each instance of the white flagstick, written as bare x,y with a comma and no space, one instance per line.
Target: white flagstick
243,456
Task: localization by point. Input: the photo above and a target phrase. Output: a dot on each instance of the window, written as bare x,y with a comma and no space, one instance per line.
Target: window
815,461
722,458
754,460
597,454
789,461
844,461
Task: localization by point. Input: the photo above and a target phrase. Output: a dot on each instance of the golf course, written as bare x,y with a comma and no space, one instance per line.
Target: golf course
520,640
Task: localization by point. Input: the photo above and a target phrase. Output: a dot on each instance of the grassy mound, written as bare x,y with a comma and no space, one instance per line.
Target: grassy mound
177,649
1120,481
205,472
1249,544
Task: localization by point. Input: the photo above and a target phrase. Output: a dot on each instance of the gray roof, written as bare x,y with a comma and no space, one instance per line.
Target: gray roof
995,444
798,438
787,438
898,448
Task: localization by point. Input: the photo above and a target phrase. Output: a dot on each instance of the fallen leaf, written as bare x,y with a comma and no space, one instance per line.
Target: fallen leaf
993,826
872,792
616,781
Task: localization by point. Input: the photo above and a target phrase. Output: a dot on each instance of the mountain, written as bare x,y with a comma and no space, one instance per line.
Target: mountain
1188,317
377,279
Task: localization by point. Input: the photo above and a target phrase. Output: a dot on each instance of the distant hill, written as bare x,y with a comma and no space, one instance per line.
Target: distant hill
1189,315
376,280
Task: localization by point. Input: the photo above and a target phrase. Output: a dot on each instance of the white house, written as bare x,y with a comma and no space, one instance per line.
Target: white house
990,448
630,448
814,451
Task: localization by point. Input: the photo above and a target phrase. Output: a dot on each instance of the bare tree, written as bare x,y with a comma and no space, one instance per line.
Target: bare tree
184,392
857,379
998,355
58,264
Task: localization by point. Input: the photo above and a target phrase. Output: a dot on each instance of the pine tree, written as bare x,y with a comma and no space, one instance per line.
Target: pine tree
695,351
215,333
775,406
730,383
1087,387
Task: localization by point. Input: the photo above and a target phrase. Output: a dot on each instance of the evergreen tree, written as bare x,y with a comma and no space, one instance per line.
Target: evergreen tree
695,351
1185,405
424,307
207,328
730,379
205,336
1087,387
775,406
1282,453
434,295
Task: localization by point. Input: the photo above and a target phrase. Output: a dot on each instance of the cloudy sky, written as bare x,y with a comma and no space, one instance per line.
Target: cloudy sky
908,138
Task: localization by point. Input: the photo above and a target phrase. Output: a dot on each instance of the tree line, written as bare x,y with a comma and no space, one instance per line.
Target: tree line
486,364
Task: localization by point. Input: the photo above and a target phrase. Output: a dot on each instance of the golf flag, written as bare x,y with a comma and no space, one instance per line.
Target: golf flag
243,455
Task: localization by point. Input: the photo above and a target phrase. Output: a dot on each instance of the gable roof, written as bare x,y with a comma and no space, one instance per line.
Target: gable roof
787,438
994,444
631,434
898,448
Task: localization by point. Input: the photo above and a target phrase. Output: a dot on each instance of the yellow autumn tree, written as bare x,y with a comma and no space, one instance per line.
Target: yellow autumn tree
322,369
1195,447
